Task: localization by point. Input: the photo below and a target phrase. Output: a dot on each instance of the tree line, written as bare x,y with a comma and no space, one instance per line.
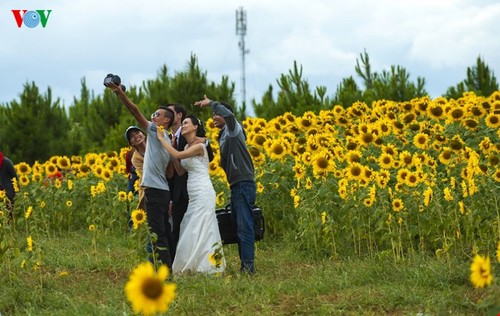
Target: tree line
36,126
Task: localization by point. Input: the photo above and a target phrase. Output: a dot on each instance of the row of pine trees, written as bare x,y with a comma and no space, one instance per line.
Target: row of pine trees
37,126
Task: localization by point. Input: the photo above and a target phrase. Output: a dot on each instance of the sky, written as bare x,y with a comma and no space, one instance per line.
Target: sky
87,39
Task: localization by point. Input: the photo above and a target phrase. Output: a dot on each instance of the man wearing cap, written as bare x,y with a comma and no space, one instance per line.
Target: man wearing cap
154,178
136,138
238,166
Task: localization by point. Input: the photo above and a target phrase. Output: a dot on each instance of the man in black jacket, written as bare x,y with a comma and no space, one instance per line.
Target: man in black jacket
178,183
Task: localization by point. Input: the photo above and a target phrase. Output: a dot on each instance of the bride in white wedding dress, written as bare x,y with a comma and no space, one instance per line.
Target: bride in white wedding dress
199,235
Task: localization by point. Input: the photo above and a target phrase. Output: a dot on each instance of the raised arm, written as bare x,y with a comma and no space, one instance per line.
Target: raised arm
219,109
131,107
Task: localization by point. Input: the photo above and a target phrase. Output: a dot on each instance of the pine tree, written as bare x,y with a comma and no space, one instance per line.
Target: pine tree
480,80
35,128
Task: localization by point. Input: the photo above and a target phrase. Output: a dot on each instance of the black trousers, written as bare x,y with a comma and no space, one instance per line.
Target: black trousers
157,202
179,208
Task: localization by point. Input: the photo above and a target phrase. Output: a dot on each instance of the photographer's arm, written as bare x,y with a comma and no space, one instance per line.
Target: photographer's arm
131,107
221,110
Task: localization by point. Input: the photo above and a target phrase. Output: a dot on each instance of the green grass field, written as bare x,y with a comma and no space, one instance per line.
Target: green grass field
76,278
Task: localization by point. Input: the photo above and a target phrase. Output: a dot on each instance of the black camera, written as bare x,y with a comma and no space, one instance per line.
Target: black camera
110,78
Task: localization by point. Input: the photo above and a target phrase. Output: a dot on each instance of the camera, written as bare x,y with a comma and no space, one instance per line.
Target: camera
110,78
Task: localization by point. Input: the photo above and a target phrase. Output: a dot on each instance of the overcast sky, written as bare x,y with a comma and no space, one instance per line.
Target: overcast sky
434,39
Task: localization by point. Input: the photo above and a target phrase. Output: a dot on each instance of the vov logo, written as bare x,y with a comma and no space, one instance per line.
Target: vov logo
31,18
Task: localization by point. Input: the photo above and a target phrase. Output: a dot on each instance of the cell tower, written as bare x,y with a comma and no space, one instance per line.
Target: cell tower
241,30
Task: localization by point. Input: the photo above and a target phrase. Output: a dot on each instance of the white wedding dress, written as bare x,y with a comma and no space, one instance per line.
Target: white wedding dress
199,229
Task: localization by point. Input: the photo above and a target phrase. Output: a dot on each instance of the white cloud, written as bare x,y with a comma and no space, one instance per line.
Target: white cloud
434,39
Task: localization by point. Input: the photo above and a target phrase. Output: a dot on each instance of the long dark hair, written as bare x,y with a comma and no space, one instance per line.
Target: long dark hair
200,132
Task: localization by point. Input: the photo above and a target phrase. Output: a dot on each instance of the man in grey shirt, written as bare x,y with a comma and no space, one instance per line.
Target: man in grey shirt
238,166
154,177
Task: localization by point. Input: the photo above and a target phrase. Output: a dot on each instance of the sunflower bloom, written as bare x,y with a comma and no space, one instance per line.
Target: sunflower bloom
122,196
480,269
28,212
29,242
147,291
492,120
296,201
260,187
24,180
397,205
498,252
138,218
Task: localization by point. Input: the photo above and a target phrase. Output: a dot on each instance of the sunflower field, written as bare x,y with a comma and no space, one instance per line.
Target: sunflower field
388,179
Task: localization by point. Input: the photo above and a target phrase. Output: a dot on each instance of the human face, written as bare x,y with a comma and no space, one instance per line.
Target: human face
136,138
159,117
219,121
188,127
176,124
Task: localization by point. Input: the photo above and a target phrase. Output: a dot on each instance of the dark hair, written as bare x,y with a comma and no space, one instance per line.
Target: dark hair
178,108
200,131
170,114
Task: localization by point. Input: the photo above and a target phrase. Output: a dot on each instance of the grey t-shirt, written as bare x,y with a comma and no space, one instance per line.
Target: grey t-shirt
156,159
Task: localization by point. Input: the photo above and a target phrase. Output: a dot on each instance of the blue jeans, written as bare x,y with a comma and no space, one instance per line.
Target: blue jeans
242,201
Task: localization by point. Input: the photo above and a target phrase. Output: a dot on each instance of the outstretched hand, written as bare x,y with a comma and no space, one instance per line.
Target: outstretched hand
204,102
114,87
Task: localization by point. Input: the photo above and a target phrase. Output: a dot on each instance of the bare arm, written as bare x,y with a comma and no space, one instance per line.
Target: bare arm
178,167
190,152
131,107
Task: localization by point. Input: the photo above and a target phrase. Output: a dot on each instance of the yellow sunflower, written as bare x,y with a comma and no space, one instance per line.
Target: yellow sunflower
147,291
385,161
24,180
260,187
219,199
29,242
50,168
496,175
435,111
122,196
406,159
63,162
23,168
322,164
492,120
421,141
138,217
397,205
445,156
455,114
412,179
276,149
480,269
28,212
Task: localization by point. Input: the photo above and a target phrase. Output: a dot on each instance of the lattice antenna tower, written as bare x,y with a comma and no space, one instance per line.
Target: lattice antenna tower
241,31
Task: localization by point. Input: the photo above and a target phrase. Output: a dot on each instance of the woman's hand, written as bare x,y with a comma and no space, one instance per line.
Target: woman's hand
159,132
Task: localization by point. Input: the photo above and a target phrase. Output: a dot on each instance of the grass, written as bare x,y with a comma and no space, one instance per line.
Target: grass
286,283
